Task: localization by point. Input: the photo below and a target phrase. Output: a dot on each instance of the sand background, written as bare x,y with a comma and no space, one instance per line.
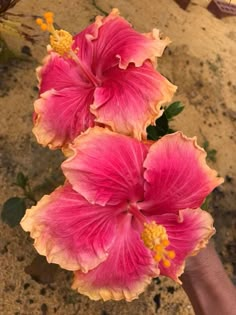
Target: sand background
201,61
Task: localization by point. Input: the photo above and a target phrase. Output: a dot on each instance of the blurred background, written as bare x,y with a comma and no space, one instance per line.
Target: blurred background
201,61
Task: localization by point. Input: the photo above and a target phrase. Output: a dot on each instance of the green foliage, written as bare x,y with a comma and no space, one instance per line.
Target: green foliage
205,205
14,208
211,153
161,126
173,110
160,129
21,180
49,184
13,211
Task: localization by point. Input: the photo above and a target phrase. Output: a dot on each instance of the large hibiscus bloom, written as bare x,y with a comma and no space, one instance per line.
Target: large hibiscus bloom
128,212
109,79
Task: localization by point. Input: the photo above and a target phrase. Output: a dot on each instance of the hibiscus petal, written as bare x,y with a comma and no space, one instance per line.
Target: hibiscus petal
126,272
62,115
130,100
59,73
113,42
188,232
106,167
69,231
177,176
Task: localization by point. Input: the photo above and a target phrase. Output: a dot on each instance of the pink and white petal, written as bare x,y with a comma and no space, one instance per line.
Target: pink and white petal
106,168
58,73
177,175
114,42
161,43
128,269
188,233
69,231
60,116
130,100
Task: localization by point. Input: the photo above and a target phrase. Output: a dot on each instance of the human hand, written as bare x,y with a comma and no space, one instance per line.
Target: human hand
207,284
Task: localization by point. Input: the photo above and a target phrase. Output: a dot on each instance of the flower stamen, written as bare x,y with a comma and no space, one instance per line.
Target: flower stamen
61,42
155,238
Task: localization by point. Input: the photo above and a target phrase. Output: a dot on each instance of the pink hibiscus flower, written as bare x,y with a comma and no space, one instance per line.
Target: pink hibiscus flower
128,212
105,75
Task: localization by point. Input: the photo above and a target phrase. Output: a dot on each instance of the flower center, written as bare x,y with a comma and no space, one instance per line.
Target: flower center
61,42
155,238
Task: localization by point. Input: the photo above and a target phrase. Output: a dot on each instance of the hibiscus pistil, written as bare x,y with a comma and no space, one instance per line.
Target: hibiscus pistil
61,42
155,238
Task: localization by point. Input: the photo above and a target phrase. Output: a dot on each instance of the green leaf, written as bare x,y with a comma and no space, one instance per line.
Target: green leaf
211,153
206,202
21,180
171,130
13,211
205,145
159,130
152,133
173,110
162,125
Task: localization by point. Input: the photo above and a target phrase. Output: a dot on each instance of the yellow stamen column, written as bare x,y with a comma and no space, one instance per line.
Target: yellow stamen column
155,238
60,40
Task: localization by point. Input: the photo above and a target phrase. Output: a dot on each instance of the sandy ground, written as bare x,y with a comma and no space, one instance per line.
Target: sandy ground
202,61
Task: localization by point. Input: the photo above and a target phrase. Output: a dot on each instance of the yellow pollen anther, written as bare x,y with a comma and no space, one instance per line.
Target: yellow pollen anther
155,238
44,27
48,14
49,17
158,248
39,21
166,242
49,20
158,257
166,263
171,254
60,40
